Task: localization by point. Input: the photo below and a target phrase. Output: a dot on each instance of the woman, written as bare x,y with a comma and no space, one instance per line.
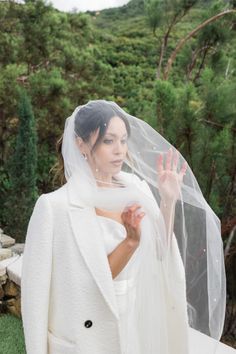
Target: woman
126,257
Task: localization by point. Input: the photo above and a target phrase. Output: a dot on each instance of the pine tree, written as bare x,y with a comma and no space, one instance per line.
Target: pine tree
22,172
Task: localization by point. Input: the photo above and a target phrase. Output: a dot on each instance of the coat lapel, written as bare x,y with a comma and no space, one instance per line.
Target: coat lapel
87,233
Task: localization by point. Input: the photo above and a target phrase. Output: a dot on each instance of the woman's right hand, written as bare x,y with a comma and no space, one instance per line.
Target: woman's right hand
131,217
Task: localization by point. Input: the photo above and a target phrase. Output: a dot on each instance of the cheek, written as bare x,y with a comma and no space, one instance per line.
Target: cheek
103,154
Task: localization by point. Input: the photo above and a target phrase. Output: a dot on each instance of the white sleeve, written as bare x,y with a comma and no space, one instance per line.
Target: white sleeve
36,276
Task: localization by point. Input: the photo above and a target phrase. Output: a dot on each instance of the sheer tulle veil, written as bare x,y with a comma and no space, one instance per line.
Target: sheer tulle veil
172,279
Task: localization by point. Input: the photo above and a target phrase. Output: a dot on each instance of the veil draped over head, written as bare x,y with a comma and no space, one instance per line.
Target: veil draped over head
176,277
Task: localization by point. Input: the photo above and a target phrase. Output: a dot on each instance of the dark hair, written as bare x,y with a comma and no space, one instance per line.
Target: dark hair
95,114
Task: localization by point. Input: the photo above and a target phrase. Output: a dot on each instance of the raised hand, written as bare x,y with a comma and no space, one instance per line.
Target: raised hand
168,179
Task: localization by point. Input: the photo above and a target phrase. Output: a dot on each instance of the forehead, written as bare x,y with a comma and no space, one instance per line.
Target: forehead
116,125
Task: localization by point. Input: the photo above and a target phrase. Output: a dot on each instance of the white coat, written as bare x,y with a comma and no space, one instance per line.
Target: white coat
68,302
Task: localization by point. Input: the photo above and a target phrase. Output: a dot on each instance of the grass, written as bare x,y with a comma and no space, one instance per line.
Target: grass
11,335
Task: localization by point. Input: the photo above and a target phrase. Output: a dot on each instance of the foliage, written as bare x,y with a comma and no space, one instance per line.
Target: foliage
62,60
66,59
21,167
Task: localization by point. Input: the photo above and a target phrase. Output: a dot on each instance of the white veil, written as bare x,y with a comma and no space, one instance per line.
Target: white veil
165,285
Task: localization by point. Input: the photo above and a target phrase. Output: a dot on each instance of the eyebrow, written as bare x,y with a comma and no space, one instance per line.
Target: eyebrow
115,134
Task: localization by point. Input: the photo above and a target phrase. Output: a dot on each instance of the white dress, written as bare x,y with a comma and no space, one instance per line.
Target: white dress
113,234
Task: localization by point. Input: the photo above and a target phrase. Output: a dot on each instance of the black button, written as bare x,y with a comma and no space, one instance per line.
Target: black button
88,323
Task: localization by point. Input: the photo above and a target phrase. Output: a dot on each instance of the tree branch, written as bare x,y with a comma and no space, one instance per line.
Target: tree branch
190,35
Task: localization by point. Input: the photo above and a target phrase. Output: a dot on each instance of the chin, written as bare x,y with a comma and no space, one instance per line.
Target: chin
118,169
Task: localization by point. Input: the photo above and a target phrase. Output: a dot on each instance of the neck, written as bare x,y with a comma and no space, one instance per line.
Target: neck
103,180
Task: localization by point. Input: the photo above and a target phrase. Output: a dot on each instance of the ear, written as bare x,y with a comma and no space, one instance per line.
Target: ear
80,143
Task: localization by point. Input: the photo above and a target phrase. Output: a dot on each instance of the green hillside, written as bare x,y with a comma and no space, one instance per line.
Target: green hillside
62,60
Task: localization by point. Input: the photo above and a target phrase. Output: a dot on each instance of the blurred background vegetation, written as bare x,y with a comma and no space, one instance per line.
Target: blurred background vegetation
171,63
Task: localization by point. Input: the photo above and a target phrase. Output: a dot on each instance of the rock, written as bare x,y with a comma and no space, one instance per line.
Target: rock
14,306
7,262
7,241
1,231
3,270
3,279
14,269
5,253
1,292
18,248
11,289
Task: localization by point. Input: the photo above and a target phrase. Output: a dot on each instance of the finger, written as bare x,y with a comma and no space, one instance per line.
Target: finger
126,213
140,215
160,164
168,159
133,215
138,211
175,160
129,219
183,170
138,218
134,207
124,216
129,206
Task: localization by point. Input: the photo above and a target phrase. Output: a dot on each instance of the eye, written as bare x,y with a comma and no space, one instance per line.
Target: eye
108,141
124,141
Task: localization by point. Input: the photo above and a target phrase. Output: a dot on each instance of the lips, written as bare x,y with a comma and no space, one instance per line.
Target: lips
117,162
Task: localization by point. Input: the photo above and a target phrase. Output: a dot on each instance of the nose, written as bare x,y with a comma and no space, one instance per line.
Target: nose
119,148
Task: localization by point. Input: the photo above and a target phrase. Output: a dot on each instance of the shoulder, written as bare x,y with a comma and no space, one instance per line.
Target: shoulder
54,199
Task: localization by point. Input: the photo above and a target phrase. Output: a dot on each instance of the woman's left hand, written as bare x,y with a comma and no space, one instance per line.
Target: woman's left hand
168,179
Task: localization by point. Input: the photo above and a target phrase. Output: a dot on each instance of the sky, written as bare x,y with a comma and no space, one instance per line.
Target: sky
84,5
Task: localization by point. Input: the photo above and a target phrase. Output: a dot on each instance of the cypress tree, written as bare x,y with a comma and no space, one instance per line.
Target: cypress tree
22,172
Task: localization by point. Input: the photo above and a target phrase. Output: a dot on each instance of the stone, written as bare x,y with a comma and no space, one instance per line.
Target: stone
3,270
14,269
1,292
5,253
11,289
18,248
7,262
14,306
3,279
7,241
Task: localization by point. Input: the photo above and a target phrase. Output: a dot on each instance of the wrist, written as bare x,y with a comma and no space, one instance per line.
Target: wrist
131,243
168,202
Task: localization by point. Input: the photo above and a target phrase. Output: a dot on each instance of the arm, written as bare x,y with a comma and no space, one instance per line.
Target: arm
164,223
120,256
35,277
169,184
168,212
131,217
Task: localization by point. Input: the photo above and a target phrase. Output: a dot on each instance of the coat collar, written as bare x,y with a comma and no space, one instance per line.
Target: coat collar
86,228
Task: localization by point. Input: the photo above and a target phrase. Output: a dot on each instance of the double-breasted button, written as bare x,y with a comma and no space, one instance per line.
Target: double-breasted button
88,323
